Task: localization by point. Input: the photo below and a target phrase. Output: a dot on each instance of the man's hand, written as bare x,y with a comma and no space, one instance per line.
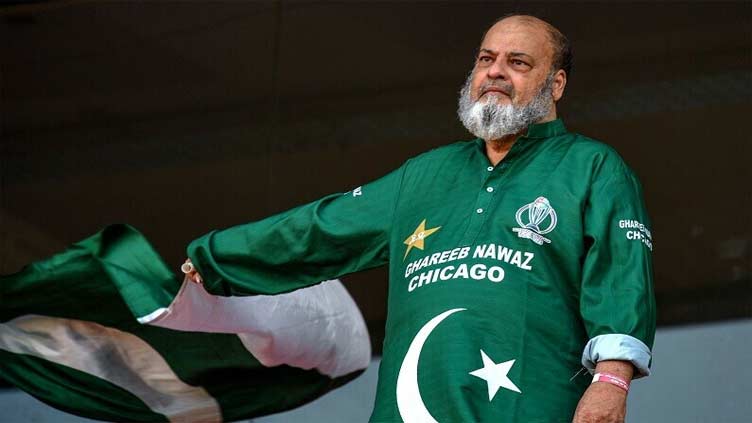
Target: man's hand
604,402
190,271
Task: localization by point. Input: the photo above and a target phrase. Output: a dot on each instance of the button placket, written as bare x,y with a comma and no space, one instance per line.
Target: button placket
483,202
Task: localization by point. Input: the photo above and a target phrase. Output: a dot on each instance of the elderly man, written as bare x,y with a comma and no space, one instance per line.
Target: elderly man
513,258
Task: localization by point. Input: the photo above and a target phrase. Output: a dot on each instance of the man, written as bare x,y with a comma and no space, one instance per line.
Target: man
508,255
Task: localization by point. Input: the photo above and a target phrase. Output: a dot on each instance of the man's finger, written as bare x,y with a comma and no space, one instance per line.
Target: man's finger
187,267
190,271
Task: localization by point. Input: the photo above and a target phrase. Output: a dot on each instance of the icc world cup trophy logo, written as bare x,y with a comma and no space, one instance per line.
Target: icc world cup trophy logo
539,215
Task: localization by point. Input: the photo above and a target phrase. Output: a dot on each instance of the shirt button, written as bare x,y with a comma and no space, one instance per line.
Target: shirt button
490,168
489,189
479,211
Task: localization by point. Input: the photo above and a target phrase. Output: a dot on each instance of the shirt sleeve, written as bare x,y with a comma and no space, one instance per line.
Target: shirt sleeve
325,239
617,302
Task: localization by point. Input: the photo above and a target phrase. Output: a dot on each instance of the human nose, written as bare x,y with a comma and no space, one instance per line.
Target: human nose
497,70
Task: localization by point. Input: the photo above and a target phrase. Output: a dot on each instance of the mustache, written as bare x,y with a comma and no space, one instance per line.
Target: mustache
505,88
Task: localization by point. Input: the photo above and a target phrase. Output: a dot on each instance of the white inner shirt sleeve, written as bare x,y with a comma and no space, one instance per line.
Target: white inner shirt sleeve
617,347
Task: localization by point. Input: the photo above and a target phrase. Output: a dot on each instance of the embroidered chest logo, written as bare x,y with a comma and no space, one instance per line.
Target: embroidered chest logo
417,239
536,219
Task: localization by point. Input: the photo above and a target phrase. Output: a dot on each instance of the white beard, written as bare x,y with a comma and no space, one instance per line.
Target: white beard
490,120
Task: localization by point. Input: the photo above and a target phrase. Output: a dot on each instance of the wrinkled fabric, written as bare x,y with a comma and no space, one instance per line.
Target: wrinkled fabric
541,253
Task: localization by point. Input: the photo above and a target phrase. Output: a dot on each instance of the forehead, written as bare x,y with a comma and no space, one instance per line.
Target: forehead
520,36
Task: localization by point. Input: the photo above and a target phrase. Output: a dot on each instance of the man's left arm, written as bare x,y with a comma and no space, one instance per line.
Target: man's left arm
605,402
617,302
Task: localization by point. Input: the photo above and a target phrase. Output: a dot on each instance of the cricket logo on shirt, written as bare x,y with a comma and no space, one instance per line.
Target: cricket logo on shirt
536,219
418,237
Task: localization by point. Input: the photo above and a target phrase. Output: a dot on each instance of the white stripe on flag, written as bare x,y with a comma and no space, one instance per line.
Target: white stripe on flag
315,327
114,356
151,316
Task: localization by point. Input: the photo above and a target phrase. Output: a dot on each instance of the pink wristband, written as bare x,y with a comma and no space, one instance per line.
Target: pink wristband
614,380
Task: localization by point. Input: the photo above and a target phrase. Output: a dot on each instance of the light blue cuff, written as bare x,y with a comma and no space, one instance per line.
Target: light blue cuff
617,346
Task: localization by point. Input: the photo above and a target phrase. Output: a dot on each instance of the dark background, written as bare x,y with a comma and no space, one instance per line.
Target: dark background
182,117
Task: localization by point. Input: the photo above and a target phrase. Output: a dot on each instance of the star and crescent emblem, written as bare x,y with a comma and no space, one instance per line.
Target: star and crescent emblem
410,404
418,237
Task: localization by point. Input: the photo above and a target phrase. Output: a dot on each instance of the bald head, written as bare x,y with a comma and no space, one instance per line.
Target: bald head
561,49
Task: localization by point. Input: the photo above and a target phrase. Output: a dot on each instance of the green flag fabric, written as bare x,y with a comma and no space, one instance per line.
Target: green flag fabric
105,330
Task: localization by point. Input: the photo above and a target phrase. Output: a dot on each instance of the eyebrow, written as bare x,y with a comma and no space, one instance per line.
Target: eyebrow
520,54
510,54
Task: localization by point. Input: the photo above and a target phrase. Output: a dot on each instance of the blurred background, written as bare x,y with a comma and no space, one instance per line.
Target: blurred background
183,117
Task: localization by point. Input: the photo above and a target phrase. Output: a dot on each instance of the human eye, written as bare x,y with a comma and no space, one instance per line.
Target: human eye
485,59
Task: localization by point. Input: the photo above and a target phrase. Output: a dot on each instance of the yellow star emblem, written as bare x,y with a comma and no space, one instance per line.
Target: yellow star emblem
418,237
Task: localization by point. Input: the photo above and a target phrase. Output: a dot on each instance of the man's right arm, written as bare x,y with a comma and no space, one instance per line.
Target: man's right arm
325,239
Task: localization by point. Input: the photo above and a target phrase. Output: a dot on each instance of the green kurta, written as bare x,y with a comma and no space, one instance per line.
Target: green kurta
498,276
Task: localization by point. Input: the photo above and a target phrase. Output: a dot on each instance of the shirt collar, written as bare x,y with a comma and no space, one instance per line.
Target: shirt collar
536,131
546,129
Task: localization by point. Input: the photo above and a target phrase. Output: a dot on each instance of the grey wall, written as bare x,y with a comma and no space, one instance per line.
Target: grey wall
700,375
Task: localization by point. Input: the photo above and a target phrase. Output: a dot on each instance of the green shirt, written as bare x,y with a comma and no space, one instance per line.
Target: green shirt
498,275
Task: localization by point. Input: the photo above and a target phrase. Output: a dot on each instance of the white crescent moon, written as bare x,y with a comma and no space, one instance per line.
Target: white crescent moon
409,402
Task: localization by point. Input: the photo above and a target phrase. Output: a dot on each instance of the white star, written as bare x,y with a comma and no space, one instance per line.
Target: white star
495,375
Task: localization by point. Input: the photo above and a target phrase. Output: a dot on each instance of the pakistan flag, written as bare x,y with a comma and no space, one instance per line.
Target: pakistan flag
105,330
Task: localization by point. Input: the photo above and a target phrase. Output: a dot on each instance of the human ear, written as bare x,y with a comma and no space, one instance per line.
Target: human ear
560,81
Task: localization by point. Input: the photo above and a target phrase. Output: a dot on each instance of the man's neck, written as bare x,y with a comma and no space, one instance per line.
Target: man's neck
497,149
